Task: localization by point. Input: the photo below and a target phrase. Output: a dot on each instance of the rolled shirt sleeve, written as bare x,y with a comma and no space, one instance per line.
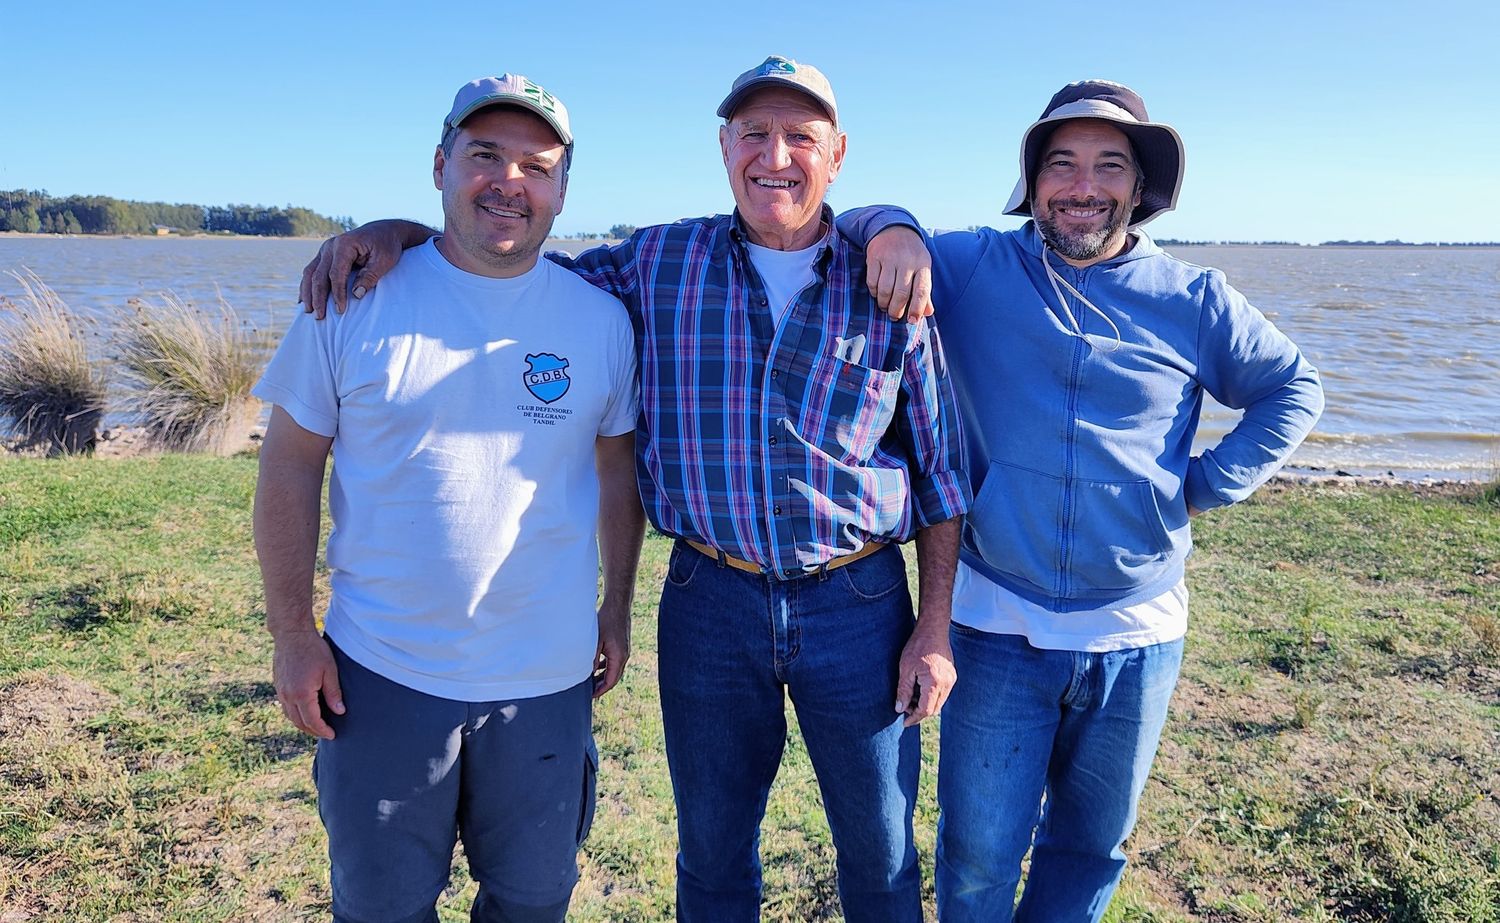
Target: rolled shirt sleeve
929,427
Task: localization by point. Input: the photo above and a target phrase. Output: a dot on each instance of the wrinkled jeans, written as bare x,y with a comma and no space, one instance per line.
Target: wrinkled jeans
1021,723
731,646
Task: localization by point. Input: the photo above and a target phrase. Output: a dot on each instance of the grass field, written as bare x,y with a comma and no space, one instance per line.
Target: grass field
1333,754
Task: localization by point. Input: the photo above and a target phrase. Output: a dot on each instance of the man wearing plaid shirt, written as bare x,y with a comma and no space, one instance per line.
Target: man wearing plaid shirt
790,436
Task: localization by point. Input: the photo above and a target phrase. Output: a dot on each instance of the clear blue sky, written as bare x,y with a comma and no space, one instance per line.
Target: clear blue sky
1304,121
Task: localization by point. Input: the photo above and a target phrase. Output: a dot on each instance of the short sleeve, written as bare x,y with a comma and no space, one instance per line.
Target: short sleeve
300,376
621,411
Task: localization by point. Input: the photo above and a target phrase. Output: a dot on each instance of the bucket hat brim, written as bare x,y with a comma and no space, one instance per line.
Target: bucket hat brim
1158,149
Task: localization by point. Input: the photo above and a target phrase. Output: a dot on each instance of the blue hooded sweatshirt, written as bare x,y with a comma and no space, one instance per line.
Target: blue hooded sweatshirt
1079,443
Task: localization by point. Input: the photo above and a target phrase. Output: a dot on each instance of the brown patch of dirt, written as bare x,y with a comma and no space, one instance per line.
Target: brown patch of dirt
1385,727
34,702
230,836
1252,713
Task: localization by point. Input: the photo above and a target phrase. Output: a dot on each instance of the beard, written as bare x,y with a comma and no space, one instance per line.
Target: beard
1084,245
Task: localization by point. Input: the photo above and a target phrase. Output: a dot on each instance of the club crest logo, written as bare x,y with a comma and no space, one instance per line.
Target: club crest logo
546,377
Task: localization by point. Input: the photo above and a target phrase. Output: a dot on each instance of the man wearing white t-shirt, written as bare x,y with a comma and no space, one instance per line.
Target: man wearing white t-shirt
480,409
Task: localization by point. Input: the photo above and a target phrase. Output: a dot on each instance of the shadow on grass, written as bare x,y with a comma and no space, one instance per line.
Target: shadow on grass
76,608
1370,874
227,697
1434,667
1254,730
1292,652
281,746
85,606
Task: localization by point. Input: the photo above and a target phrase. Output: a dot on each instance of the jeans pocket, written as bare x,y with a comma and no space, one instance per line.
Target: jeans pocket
683,564
590,791
968,631
875,577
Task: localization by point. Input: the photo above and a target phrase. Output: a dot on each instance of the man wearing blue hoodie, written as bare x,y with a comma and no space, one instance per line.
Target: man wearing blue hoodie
1081,353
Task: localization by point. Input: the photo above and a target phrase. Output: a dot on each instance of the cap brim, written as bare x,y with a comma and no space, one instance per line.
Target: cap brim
733,100
518,102
1157,146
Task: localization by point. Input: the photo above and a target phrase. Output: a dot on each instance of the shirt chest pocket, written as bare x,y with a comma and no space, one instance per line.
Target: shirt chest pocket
849,408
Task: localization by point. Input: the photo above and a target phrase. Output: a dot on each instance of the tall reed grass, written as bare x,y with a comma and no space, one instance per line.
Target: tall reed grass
50,393
190,372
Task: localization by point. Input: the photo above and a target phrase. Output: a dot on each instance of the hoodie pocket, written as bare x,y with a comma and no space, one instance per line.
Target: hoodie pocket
1118,539
1015,524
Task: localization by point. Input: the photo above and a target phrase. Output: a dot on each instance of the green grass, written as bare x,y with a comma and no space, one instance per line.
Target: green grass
1333,753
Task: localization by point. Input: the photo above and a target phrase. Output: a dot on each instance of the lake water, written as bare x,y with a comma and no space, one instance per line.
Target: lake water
1407,340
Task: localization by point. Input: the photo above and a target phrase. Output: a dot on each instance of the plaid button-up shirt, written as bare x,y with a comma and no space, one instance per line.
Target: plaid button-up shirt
784,446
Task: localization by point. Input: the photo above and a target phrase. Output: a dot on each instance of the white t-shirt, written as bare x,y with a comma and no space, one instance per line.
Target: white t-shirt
785,273
981,603
463,411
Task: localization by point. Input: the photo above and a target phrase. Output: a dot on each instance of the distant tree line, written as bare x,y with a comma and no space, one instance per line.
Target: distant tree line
1402,243
1175,242
616,232
33,212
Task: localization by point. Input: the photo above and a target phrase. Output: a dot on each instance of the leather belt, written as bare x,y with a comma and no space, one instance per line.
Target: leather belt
868,549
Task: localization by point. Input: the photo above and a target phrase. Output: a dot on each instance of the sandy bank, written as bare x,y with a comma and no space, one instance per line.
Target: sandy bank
131,442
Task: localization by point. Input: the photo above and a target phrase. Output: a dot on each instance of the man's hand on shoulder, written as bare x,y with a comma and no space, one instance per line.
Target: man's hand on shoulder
302,668
375,247
899,273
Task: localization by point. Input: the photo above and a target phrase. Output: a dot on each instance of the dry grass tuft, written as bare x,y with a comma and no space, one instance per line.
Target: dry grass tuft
52,394
191,372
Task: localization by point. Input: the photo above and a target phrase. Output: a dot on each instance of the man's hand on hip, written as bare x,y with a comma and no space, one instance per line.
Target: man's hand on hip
302,668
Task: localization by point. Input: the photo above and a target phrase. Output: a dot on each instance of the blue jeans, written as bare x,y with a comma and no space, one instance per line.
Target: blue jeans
1022,723
731,645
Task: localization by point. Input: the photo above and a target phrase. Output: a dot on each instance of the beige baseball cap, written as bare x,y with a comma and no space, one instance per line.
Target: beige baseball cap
779,71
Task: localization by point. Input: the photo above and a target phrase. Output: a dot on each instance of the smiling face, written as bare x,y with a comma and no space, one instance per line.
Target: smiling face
1087,183
781,152
503,181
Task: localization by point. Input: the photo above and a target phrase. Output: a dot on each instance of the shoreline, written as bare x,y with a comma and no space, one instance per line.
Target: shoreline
1273,245
129,441
1376,475
1421,486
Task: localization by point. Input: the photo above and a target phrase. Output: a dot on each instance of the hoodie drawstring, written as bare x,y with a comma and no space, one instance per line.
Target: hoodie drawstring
1057,280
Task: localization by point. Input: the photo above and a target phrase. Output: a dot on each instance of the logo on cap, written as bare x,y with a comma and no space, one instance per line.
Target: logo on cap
542,97
778,66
